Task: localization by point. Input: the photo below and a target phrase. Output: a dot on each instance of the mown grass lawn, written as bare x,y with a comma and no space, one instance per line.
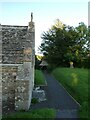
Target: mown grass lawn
39,78
76,82
39,113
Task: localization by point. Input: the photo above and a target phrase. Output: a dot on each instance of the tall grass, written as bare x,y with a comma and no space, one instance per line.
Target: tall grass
76,82
39,78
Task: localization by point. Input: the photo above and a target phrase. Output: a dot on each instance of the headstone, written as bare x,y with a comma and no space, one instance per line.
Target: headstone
71,65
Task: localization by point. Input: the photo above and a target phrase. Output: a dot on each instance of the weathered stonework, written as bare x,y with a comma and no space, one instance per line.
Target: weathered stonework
17,44
8,88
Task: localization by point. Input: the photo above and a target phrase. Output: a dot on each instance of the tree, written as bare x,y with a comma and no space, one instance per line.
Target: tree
62,44
80,49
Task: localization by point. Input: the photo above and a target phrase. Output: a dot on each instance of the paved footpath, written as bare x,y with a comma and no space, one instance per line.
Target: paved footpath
58,98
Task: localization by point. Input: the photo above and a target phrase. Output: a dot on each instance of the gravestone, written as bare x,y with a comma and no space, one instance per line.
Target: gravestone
71,65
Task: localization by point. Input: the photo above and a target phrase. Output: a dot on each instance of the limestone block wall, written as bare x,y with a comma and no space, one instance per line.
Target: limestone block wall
22,95
0,72
24,86
0,92
8,87
13,43
31,30
17,66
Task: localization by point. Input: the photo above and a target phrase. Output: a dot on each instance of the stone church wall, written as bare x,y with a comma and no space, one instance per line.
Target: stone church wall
17,66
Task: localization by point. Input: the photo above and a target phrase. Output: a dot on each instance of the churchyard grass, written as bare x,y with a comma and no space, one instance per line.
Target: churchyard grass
39,78
39,114
75,81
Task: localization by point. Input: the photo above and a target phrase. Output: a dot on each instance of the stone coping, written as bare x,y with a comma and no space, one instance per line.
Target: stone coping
10,64
6,26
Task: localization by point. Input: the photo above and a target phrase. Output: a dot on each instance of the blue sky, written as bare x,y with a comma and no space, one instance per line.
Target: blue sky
44,13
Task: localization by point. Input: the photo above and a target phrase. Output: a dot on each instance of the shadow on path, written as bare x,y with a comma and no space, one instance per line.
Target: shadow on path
58,98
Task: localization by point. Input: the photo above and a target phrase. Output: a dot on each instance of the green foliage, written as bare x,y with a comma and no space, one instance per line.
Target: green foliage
84,110
38,114
75,80
39,78
63,44
34,101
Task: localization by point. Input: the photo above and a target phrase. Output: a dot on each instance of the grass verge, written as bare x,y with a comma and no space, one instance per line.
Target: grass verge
45,113
39,78
76,82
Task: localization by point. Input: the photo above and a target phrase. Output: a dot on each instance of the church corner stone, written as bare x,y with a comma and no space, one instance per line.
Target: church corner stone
18,60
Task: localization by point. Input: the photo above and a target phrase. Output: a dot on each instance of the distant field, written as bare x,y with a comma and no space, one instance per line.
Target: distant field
76,82
39,78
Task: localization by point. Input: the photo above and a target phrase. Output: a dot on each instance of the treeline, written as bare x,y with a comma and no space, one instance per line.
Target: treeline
63,44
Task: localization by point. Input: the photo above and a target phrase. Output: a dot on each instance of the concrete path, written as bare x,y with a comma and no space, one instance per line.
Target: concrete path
59,99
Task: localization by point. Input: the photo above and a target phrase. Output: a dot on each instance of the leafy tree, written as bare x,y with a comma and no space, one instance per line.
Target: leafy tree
62,44
80,49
